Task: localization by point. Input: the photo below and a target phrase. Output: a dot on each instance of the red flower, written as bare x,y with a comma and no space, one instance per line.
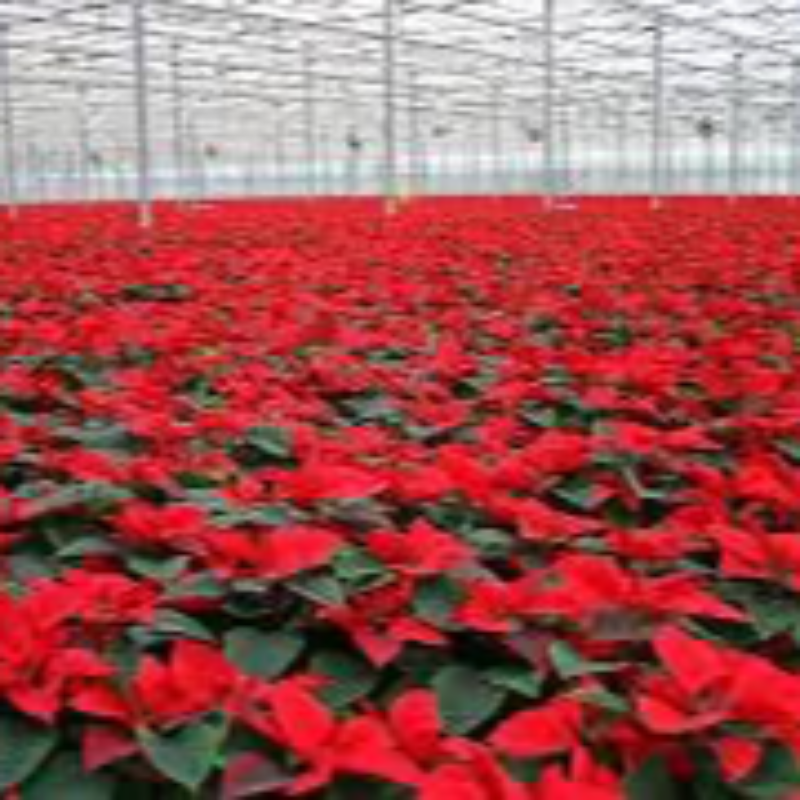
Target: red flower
551,729
39,666
173,526
423,550
319,481
538,522
275,553
380,624
361,746
195,680
591,586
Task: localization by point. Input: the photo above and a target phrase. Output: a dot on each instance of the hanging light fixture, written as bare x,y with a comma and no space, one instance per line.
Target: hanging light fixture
354,141
706,128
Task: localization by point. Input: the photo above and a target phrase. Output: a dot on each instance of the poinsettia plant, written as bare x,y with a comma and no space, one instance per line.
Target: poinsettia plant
471,502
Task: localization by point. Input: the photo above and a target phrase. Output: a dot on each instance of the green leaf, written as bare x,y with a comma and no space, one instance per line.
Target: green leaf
631,477
580,494
261,516
169,625
87,546
125,655
790,448
209,500
774,617
602,698
264,655
24,746
714,791
157,292
491,542
349,787
436,600
371,410
618,335
771,612
388,355
466,699
97,495
556,375
616,460
272,441
777,775
351,677
357,513
27,567
524,770
63,777
187,757
517,679
359,570
158,569
202,585
196,481
104,436
653,781
264,445
541,417
569,663
319,588
708,786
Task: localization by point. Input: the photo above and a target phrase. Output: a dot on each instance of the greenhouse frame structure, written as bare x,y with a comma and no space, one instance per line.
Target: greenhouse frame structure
199,99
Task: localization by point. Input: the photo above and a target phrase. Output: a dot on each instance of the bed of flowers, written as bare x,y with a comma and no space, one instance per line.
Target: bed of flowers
469,503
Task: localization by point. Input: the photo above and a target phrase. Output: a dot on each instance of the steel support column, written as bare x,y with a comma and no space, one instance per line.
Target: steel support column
9,128
144,194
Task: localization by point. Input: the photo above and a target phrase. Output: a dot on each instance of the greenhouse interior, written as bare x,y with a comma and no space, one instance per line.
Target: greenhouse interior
400,399
312,98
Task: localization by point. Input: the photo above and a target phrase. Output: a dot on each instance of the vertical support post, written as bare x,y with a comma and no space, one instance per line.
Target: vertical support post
118,174
390,189
483,182
36,167
280,152
418,147
84,145
142,100
324,162
40,168
668,160
794,141
567,166
25,171
70,176
310,122
67,174
735,133
498,184
708,135
622,144
178,133
680,178
657,118
353,147
193,168
60,180
48,175
548,114
681,173
777,161
9,137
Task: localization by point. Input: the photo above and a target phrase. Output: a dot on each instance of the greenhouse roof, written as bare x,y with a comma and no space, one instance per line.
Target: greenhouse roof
232,66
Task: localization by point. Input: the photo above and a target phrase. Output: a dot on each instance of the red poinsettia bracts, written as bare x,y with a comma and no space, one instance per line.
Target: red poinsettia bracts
473,501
